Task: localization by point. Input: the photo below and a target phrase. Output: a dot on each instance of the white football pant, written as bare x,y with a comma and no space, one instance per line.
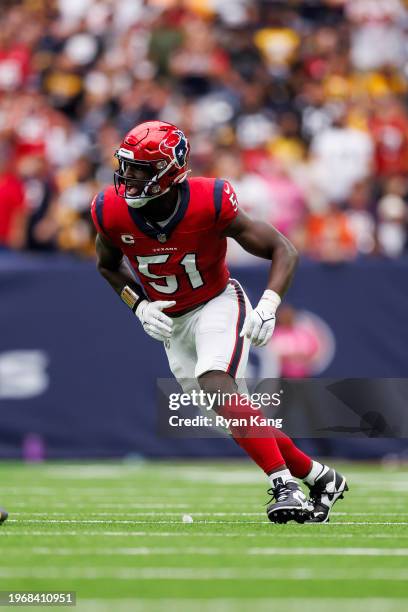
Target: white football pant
207,338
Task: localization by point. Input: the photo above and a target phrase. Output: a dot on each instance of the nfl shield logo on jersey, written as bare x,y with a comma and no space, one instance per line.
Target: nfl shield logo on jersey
176,146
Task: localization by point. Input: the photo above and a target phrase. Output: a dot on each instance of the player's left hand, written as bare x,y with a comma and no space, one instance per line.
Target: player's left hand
260,323
155,323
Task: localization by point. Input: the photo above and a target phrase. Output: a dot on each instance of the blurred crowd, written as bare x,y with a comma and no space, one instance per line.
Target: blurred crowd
301,104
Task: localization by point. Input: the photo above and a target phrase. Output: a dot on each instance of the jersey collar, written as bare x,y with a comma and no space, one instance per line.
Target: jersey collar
166,231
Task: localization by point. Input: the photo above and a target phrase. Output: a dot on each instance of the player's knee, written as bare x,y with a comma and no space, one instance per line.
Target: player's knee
217,381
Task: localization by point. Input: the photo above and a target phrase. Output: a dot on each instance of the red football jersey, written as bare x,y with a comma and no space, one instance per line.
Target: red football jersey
184,260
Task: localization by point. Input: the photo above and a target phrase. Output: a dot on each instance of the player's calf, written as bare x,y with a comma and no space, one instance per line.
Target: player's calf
326,487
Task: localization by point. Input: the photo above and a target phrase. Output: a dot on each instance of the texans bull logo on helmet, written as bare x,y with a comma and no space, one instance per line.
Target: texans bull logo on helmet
177,143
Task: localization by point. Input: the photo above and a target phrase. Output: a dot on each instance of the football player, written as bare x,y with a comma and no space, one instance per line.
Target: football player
173,231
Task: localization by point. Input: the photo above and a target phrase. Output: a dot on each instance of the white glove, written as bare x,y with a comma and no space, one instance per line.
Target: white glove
260,323
154,321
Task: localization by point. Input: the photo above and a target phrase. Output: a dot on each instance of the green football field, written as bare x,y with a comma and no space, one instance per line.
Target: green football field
113,532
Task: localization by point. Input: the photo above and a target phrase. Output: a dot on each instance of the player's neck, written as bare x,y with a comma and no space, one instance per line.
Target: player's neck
163,207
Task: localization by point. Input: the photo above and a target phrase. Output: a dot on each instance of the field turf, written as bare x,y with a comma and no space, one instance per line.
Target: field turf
114,534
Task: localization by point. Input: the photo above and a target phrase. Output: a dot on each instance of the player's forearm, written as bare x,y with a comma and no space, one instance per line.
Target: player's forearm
115,271
284,262
121,278
260,324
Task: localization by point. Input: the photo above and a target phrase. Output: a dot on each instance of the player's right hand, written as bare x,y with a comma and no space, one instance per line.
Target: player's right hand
260,323
154,321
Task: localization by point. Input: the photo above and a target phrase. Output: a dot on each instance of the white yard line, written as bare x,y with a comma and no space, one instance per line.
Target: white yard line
400,486
201,522
213,551
192,534
116,521
89,491
366,523
374,604
140,551
114,515
360,552
369,513
145,503
202,574
136,514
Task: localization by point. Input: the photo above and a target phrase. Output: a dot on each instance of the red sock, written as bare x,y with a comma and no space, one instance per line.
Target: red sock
269,447
299,464
258,442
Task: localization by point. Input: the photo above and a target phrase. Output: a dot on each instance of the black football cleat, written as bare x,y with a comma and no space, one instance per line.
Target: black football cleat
3,515
326,490
290,504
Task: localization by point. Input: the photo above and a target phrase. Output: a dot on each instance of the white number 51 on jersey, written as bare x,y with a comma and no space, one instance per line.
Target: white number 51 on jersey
190,268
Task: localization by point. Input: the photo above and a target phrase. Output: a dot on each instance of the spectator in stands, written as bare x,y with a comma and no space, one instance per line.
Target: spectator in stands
389,130
40,198
359,212
328,236
309,98
77,188
392,210
341,156
13,211
295,343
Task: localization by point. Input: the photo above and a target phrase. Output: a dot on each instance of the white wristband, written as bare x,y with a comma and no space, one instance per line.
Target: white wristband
272,296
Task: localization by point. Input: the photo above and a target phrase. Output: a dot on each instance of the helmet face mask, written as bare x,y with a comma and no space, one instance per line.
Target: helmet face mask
152,157
128,184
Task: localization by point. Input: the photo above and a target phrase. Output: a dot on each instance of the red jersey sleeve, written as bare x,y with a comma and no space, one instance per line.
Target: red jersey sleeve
97,213
226,203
